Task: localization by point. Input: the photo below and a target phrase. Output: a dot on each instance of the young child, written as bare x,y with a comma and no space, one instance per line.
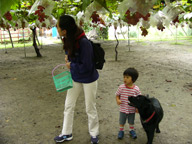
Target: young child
126,111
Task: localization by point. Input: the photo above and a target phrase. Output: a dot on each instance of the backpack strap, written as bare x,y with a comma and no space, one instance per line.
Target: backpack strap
79,37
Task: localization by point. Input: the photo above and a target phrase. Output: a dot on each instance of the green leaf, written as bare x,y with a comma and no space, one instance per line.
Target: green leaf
103,3
5,5
85,4
60,11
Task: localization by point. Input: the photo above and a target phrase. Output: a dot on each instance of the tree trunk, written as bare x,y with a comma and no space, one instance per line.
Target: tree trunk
116,46
128,39
34,42
37,40
10,37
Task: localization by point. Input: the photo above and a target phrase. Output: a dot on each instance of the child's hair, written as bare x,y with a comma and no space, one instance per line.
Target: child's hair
132,72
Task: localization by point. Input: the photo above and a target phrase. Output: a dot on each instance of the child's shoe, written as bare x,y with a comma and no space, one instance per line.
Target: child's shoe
133,134
62,138
94,140
120,134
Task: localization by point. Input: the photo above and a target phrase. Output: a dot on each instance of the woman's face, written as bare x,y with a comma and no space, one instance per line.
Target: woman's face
60,31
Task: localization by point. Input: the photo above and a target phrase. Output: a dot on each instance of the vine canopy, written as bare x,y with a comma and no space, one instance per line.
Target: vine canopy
102,13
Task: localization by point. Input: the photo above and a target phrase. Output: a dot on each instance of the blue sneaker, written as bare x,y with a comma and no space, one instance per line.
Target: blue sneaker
94,140
120,134
133,134
62,138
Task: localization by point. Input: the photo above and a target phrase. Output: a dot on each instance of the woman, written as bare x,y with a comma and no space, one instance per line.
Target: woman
79,60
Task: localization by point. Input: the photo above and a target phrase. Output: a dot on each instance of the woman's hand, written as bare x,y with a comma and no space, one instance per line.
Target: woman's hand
66,58
68,65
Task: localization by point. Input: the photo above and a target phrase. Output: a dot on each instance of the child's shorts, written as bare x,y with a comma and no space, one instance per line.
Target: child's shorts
124,116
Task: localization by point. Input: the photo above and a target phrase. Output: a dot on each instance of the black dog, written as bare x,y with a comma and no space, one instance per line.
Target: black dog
151,113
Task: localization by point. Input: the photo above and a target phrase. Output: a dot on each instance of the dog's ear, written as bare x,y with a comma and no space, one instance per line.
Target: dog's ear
147,100
142,97
147,95
139,96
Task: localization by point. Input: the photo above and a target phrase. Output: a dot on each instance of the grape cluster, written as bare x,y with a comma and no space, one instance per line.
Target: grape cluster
40,13
43,25
133,19
144,31
96,19
8,16
81,23
176,20
160,27
2,23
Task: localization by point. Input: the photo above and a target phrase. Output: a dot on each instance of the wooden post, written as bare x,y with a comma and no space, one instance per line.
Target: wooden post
18,35
4,41
137,34
24,42
1,35
28,33
41,42
176,34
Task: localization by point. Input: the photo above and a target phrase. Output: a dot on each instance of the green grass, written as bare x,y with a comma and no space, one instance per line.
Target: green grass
176,43
56,41
171,38
172,41
190,50
16,44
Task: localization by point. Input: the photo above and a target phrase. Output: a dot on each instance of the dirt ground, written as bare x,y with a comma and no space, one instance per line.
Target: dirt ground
31,111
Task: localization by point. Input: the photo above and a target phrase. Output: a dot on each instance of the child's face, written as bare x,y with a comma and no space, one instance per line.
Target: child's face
128,80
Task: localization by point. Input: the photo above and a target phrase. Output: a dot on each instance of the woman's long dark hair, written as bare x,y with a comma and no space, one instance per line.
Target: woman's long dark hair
68,23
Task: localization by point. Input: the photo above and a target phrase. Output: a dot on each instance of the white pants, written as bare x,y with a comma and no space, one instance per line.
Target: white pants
90,90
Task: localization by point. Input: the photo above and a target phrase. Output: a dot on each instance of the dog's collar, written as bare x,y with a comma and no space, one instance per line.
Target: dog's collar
146,121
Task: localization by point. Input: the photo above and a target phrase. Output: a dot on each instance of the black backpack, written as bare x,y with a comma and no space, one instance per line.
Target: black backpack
99,55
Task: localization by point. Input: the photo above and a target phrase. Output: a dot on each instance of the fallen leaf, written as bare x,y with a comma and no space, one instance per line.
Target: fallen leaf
172,105
168,80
